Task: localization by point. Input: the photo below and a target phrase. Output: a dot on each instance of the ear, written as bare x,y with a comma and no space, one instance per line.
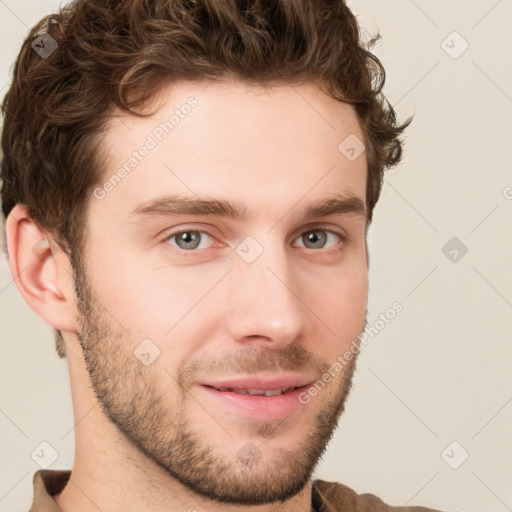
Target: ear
41,270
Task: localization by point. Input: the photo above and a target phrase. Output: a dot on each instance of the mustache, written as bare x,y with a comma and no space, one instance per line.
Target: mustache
252,360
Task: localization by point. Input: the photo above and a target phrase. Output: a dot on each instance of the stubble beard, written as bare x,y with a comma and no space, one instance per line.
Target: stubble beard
128,393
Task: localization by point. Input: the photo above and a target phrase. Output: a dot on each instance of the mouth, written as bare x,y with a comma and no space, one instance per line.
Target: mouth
257,392
259,404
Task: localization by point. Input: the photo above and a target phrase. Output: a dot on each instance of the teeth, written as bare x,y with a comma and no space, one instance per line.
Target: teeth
260,392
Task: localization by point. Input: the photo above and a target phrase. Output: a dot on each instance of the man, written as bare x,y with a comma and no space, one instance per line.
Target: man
187,189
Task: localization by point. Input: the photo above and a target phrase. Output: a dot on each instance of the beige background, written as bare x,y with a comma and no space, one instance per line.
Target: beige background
440,371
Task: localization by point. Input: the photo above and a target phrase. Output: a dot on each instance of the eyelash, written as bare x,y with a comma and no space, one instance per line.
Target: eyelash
343,239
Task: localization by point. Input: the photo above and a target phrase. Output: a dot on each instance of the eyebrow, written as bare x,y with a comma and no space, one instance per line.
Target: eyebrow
170,204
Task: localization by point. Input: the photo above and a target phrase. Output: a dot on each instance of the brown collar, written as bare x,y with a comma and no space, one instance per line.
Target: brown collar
49,482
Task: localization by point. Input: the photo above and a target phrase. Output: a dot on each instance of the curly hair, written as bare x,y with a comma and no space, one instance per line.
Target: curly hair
111,54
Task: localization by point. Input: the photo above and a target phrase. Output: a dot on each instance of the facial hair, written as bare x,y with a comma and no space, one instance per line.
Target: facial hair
135,398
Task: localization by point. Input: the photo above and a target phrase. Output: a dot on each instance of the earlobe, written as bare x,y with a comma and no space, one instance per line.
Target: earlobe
38,268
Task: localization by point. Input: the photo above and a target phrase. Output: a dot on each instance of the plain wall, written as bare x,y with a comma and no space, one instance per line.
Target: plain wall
439,372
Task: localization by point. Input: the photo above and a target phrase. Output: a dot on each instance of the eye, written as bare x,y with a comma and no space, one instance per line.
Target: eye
189,240
317,238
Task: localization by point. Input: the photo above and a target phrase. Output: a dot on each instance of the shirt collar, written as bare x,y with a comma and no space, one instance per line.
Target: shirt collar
49,482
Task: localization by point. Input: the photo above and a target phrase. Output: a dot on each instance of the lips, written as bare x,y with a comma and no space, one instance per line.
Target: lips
261,385
258,392
260,397
260,407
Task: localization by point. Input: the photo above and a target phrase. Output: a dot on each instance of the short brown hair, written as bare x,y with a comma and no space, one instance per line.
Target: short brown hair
118,53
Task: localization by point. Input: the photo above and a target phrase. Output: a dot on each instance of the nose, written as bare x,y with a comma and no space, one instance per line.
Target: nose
266,306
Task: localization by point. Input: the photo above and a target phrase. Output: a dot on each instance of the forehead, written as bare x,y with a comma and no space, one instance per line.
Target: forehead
263,145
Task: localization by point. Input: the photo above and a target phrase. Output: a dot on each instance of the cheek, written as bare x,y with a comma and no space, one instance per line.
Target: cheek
340,300
144,285
174,307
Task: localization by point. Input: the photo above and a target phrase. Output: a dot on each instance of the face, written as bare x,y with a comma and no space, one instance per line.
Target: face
254,290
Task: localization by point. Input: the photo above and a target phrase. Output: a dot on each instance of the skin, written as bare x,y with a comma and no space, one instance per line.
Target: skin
147,437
